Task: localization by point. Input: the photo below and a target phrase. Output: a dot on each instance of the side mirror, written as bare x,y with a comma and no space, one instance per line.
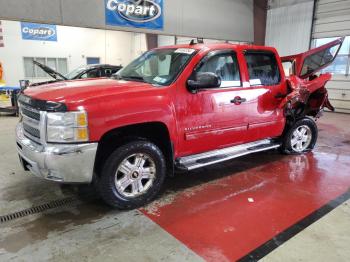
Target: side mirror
204,80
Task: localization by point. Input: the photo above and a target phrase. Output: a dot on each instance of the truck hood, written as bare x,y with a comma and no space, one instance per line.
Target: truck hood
78,91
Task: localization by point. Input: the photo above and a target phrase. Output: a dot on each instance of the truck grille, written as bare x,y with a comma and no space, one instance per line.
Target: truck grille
31,130
31,114
31,123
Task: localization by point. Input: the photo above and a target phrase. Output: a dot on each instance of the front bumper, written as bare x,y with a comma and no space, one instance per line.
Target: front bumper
68,163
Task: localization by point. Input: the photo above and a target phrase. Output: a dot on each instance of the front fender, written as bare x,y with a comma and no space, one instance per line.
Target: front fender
138,109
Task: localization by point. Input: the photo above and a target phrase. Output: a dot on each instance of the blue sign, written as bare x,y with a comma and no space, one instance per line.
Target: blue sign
146,14
39,32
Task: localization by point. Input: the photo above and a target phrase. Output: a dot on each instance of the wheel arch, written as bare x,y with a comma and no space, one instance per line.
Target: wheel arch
310,122
155,132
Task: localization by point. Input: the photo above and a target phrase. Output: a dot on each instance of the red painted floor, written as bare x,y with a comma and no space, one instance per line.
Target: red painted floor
235,207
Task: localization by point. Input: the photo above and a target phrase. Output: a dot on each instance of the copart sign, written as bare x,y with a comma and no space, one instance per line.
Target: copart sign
39,32
135,13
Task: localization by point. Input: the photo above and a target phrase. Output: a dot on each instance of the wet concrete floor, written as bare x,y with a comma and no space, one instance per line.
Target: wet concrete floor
88,230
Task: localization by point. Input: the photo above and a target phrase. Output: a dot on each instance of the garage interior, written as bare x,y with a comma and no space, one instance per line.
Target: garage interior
264,206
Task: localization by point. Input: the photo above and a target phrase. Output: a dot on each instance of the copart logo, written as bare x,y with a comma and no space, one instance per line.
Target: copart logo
137,10
40,32
135,13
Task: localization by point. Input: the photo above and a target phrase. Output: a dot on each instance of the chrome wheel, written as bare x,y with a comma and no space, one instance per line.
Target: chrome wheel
135,175
301,138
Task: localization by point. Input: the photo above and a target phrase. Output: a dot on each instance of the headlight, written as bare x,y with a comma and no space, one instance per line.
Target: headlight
67,127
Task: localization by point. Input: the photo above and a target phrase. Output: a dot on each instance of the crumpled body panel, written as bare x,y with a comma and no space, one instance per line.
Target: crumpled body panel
306,96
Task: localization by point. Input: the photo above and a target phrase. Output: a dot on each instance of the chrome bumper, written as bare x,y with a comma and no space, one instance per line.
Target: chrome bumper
68,163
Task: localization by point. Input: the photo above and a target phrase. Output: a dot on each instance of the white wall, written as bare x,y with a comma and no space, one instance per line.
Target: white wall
288,26
217,19
165,40
74,43
139,44
187,40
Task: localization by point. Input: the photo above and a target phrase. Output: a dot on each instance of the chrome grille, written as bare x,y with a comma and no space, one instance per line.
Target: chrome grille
31,122
31,114
31,130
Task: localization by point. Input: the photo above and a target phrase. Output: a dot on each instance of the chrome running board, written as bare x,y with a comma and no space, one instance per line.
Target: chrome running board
220,155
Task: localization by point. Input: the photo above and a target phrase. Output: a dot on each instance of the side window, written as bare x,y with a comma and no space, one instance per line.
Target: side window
263,68
225,66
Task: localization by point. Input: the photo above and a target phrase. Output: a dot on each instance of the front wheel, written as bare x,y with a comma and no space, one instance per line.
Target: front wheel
132,175
301,137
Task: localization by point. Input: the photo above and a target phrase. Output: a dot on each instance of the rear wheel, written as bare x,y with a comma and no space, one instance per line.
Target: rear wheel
301,137
132,175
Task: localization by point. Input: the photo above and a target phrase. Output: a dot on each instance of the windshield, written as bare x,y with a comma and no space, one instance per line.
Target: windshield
158,67
75,72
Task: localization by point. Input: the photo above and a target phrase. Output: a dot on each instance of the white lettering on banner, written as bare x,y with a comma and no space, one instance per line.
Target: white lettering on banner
41,32
136,11
112,5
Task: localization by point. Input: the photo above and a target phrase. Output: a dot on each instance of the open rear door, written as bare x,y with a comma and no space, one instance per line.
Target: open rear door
314,60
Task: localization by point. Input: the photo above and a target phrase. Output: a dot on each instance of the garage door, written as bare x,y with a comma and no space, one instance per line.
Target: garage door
332,19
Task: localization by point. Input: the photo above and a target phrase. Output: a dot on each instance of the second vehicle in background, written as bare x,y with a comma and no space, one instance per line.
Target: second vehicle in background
88,71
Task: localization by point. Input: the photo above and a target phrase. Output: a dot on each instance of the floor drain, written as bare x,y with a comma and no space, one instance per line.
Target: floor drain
38,209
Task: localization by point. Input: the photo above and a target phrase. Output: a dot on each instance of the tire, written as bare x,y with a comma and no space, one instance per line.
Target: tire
132,175
301,137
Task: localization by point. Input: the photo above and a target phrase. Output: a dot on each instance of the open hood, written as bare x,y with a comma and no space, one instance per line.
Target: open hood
54,74
310,62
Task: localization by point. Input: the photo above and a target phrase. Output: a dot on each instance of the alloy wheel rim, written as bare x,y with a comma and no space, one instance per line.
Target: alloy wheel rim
135,175
301,138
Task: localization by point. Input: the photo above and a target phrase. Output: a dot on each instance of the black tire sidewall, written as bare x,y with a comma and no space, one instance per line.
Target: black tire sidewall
106,182
287,147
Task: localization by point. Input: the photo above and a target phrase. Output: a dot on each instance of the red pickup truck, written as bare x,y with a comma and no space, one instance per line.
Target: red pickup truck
179,107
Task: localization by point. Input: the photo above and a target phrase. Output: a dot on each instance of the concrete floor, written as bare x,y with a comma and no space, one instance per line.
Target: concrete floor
87,230
326,240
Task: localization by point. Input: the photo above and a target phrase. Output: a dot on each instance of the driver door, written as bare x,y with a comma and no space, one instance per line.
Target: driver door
213,118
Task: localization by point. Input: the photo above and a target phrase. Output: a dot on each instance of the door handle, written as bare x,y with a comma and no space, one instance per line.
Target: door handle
238,100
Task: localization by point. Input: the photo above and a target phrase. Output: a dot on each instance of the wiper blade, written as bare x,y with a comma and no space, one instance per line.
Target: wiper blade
130,78
134,78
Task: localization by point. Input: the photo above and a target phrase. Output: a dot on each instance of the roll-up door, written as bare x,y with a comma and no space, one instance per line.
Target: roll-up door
332,20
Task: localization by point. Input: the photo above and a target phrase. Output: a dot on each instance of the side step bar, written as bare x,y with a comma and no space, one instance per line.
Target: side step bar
220,155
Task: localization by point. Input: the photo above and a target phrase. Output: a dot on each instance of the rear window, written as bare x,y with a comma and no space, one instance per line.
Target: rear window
263,68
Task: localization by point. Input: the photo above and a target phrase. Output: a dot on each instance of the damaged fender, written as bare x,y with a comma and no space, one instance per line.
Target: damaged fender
306,97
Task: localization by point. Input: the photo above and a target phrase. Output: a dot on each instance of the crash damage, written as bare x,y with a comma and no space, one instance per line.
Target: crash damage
306,98
306,87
